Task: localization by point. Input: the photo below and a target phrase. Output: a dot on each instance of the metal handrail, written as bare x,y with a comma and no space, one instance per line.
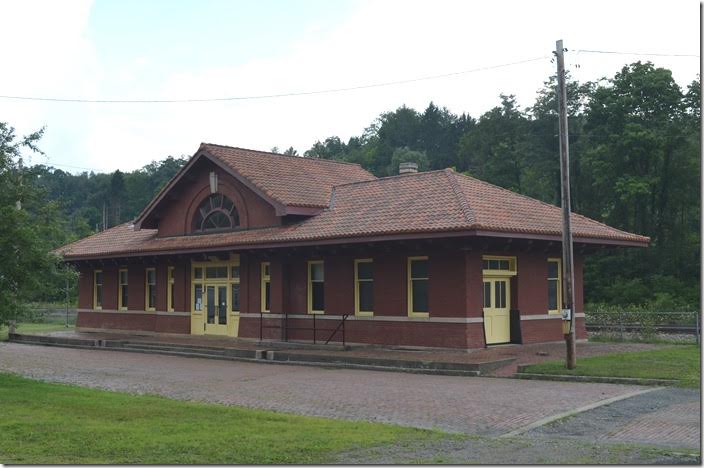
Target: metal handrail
341,324
284,327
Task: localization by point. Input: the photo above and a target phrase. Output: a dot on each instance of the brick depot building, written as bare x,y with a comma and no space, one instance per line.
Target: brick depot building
243,242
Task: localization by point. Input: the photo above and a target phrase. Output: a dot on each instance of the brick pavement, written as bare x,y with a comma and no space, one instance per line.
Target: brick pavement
675,426
474,405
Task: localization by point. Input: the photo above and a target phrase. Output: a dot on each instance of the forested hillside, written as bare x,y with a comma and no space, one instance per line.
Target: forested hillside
635,155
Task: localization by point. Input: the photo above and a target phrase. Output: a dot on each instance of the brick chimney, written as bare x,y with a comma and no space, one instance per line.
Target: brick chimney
407,168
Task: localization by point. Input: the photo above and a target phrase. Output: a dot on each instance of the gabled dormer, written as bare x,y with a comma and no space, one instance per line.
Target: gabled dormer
225,189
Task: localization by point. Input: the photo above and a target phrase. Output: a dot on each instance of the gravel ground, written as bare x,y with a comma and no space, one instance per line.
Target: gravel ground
519,451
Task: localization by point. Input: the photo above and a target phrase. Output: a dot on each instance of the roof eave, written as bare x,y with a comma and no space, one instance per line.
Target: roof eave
363,239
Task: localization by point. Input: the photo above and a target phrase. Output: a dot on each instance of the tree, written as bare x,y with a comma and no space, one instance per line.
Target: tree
29,228
497,147
291,151
406,154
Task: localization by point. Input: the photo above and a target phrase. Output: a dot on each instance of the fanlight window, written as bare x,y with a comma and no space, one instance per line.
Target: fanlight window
216,213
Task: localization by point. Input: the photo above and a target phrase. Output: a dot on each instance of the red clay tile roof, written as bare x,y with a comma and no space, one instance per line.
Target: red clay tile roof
290,180
428,202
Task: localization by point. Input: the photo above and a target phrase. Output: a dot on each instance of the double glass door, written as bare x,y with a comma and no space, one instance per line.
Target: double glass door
216,309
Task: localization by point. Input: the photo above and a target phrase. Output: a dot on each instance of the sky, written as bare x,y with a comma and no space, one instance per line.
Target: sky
202,49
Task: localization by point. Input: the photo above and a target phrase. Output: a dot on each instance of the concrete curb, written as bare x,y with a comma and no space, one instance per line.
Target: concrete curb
566,414
595,379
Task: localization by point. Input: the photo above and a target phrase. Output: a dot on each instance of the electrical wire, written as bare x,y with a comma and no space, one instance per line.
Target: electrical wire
271,96
615,52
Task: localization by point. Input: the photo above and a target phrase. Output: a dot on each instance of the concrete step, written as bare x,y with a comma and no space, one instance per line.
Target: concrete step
200,350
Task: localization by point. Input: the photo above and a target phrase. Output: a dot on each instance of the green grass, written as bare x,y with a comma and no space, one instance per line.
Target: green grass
47,423
34,328
680,363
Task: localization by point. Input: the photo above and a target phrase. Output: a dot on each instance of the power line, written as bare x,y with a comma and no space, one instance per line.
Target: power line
654,54
271,96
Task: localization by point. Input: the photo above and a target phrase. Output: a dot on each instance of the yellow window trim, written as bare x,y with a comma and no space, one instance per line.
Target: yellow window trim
360,313
559,285
214,262
512,264
310,285
95,290
409,288
146,289
262,287
170,288
120,284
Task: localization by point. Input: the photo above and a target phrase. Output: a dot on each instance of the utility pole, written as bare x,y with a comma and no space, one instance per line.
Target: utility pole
568,311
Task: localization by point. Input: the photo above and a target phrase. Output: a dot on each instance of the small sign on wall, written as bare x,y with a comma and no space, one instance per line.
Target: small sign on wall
566,314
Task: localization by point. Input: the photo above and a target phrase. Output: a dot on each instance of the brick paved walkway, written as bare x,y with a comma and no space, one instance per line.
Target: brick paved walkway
472,405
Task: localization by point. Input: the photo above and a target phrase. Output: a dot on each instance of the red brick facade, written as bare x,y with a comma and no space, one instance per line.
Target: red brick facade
455,298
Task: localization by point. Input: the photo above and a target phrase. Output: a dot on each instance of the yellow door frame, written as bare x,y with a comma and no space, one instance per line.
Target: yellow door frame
199,325
497,320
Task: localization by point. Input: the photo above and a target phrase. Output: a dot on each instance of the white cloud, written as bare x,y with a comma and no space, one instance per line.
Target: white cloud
378,42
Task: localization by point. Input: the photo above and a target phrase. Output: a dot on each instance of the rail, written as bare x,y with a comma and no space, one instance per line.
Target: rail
645,322
285,327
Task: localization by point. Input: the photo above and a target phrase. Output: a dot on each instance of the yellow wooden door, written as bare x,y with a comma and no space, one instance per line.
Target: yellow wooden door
216,310
497,310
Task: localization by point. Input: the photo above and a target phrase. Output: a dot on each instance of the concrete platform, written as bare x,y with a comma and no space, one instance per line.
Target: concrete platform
503,360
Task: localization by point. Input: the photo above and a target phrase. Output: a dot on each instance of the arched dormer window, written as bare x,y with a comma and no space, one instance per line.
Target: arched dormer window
216,213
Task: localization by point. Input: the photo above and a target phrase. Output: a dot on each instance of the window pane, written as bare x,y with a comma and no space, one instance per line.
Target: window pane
99,277
487,294
552,295
152,296
500,291
552,269
419,268
420,295
503,265
235,272
211,304
222,305
123,293
151,276
123,277
366,296
216,272
235,297
99,295
267,296
171,273
317,272
198,297
198,273
485,264
364,270
266,269
171,296
318,293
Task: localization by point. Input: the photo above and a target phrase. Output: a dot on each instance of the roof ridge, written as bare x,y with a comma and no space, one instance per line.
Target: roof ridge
396,176
283,155
459,195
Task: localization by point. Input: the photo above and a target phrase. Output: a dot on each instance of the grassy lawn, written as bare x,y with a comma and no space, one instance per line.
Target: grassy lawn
679,363
34,328
46,423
